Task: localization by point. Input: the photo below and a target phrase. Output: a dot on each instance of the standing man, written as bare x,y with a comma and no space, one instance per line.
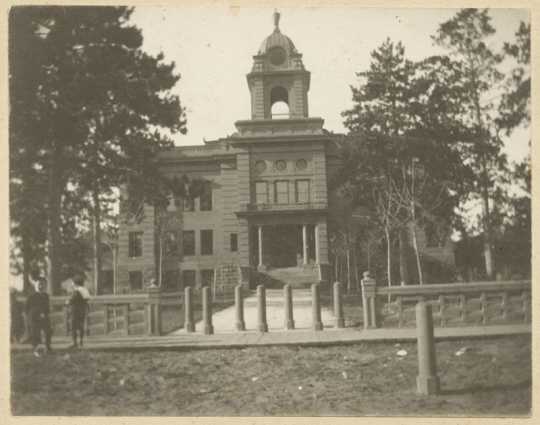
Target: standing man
17,320
37,311
79,309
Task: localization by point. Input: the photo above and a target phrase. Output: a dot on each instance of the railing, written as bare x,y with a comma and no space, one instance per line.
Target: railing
454,304
150,313
284,207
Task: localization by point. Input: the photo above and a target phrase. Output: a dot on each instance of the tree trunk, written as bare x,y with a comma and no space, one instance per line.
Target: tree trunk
368,255
26,264
403,263
348,254
417,255
97,238
388,256
115,268
355,260
160,267
488,254
53,228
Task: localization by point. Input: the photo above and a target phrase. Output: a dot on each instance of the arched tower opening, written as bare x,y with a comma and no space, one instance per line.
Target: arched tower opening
279,103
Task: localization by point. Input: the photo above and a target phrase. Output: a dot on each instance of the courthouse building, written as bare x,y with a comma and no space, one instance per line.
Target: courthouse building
263,216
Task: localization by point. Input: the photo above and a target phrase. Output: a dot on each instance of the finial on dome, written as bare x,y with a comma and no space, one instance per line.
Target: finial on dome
276,20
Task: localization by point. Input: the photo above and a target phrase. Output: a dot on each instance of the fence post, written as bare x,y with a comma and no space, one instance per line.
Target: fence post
189,325
369,301
125,309
239,303
87,321
427,381
67,311
261,308
289,319
207,311
338,306
105,319
154,310
316,307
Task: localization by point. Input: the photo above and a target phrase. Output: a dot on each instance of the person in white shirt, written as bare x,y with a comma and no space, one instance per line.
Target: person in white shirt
79,309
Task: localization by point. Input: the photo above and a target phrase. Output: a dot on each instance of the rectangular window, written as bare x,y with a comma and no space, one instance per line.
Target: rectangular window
170,244
135,280
207,277
106,280
261,192
206,197
135,244
170,280
188,242
188,278
302,191
234,242
282,192
207,242
188,204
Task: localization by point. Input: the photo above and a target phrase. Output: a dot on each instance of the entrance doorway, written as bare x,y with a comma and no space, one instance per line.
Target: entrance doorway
282,245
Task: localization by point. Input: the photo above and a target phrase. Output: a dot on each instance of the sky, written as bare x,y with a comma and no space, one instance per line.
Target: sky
213,50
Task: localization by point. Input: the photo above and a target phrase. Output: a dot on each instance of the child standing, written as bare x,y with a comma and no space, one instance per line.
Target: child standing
79,310
37,310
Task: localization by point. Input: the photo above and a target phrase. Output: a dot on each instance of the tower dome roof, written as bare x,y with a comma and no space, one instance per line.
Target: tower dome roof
277,39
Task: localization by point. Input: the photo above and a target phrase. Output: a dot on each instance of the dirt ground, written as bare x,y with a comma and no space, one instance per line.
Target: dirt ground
492,377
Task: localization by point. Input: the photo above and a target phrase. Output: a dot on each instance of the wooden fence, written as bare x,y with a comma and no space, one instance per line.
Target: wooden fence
150,313
453,304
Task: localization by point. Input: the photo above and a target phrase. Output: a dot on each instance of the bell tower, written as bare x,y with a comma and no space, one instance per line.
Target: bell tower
278,82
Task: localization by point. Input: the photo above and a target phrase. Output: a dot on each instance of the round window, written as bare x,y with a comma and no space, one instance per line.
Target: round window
277,55
281,165
301,164
260,166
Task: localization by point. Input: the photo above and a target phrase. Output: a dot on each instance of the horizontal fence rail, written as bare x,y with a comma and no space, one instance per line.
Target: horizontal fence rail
122,315
453,304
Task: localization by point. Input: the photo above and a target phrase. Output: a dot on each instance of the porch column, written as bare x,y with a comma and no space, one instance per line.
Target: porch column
316,244
259,228
304,243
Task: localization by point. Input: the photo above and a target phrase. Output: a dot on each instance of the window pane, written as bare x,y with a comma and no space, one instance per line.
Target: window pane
207,242
234,242
135,280
135,244
207,277
188,278
188,242
106,282
188,204
171,280
302,191
206,197
261,192
282,192
170,244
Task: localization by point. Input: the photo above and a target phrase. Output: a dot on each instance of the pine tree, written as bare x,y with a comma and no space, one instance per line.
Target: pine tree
405,113
465,36
101,102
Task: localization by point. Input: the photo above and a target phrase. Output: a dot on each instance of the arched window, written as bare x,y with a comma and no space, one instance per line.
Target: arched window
279,101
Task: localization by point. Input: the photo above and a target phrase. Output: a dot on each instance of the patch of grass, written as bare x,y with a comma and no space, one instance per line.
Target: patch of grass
493,377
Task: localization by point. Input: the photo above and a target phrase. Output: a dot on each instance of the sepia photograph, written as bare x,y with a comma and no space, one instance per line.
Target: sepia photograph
269,210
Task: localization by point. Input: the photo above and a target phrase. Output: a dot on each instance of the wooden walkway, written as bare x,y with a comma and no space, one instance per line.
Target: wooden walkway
330,336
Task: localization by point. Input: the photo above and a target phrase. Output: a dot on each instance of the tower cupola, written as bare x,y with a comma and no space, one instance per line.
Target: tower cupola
278,82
